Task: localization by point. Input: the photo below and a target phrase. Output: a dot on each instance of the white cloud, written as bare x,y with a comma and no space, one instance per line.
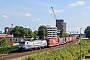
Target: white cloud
80,3
56,11
88,7
84,13
77,3
73,4
38,19
4,16
28,15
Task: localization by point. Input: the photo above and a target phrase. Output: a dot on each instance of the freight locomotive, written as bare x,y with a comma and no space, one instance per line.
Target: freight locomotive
26,45
29,45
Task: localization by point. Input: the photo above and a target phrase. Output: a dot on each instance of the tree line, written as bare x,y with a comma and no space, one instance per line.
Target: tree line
41,33
19,31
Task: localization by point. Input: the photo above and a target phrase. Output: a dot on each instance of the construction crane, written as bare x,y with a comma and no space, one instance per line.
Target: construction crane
53,13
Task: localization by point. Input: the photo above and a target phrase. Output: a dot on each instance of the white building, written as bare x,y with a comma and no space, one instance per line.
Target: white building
52,31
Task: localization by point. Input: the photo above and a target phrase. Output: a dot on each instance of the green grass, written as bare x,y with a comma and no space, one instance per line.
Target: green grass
67,53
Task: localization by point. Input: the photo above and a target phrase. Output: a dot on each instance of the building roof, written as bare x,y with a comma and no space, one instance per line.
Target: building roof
5,35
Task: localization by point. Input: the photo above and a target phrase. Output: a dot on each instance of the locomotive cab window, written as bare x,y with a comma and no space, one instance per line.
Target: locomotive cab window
22,42
27,42
10,39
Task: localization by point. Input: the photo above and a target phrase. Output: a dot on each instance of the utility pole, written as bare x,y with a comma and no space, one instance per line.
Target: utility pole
63,34
80,46
44,33
77,36
63,38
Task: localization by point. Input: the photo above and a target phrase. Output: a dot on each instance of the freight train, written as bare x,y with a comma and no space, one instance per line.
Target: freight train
29,45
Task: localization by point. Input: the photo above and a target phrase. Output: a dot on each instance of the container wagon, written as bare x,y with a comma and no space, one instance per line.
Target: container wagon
52,41
61,40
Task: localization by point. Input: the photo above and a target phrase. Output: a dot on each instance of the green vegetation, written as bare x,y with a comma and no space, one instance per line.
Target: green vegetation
35,34
42,32
6,50
62,32
71,52
66,34
4,43
5,46
87,32
19,31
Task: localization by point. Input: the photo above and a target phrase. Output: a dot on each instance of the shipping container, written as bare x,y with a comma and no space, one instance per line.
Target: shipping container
52,41
73,38
61,40
68,39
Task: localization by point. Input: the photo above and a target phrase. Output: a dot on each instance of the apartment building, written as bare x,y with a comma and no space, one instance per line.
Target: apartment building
52,31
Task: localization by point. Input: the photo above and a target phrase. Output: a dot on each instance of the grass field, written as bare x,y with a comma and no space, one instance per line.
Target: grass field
67,53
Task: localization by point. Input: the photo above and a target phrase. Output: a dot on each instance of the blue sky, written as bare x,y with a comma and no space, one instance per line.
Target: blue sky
33,13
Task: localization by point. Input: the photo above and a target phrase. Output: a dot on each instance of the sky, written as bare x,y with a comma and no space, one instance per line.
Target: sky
33,13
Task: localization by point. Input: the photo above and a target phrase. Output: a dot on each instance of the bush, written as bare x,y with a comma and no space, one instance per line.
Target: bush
4,43
6,50
84,43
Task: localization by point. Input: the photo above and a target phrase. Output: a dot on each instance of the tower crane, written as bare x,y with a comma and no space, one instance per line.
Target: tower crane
53,12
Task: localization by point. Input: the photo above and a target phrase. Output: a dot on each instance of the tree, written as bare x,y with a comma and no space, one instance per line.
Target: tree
61,33
58,36
66,34
35,34
42,32
87,32
18,31
4,43
30,33
0,43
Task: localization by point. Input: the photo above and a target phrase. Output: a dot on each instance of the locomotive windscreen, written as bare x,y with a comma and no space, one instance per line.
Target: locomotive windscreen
22,43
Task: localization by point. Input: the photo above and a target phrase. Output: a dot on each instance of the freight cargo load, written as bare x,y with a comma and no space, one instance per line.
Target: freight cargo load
34,44
61,40
52,41
73,38
68,39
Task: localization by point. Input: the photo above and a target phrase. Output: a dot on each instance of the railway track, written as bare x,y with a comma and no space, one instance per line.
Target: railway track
17,54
